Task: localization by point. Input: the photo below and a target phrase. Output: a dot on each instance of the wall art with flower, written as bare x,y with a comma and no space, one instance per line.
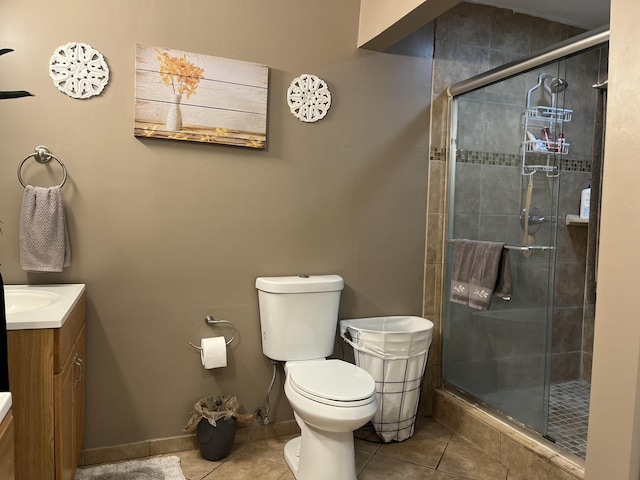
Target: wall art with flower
200,98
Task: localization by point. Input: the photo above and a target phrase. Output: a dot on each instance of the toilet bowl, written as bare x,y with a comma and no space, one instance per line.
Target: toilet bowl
330,399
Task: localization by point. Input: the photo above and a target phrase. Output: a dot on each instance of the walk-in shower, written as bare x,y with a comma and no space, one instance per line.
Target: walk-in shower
525,140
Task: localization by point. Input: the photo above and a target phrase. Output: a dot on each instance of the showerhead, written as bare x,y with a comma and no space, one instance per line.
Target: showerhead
550,84
558,85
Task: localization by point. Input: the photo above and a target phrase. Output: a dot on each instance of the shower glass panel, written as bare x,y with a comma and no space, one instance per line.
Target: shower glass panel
508,143
522,149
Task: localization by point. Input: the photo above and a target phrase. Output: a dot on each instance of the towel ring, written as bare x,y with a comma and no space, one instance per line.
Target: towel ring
42,155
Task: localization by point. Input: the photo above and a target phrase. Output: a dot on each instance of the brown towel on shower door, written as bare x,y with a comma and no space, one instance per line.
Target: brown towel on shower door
478,270
463,251
504,284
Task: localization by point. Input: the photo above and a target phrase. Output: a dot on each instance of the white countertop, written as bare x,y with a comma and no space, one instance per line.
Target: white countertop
5,404
50,316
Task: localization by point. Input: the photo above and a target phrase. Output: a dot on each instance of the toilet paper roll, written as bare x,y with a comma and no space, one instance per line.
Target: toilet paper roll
214,352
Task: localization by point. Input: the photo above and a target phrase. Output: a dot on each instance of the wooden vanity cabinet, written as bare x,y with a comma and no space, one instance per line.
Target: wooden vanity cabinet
7,448
47,382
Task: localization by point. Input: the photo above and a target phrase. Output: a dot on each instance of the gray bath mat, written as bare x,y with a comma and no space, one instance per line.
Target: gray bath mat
157,468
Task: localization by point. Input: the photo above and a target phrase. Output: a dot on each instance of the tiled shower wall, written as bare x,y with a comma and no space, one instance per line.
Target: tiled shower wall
471,39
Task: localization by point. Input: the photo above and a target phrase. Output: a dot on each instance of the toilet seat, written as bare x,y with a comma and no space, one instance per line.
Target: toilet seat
333,382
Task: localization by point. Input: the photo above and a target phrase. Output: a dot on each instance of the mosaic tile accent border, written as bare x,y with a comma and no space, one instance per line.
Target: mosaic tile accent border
438,154
571,165
488,158
503,159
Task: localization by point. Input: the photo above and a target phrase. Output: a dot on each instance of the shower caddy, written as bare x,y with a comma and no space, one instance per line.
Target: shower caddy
537,118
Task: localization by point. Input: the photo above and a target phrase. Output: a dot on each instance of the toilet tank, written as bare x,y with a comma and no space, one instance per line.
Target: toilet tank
299,315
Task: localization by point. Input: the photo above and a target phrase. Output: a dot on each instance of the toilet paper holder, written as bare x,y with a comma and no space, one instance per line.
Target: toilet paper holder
209,320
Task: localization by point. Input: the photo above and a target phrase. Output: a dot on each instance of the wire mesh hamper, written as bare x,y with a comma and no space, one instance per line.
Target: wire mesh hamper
394,351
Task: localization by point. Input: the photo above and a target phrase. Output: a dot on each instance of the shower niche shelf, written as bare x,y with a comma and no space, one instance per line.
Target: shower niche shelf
576,221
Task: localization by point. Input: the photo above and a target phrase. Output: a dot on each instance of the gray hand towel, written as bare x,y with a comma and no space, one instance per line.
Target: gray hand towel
44,240
478,270
463,252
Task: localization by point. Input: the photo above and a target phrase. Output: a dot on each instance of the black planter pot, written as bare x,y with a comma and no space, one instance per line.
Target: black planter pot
216,442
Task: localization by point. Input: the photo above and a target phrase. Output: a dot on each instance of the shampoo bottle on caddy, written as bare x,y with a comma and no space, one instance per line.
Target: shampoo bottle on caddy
585,200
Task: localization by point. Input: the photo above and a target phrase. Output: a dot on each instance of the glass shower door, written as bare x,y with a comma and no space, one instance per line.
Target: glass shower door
504,188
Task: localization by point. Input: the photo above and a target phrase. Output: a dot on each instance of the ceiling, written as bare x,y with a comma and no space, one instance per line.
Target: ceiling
587,14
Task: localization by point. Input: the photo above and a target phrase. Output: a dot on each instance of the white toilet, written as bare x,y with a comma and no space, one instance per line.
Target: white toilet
330,398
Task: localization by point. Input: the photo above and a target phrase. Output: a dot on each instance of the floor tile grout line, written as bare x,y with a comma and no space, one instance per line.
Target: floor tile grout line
443,452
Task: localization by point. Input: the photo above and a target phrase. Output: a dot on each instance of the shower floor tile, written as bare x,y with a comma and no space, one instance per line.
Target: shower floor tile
569,415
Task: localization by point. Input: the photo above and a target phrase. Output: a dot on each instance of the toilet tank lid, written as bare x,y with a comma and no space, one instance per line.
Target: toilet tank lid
300,284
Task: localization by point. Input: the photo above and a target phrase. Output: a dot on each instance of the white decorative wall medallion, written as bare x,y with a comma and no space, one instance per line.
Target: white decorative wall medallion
309,98
78,70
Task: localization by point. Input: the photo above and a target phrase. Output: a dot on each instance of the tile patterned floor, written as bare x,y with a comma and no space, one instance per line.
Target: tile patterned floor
433,453
569,415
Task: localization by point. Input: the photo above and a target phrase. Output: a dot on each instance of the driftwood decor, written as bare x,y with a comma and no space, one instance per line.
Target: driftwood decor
200,98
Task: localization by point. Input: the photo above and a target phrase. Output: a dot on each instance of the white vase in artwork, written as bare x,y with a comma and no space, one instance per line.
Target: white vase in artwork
174,116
